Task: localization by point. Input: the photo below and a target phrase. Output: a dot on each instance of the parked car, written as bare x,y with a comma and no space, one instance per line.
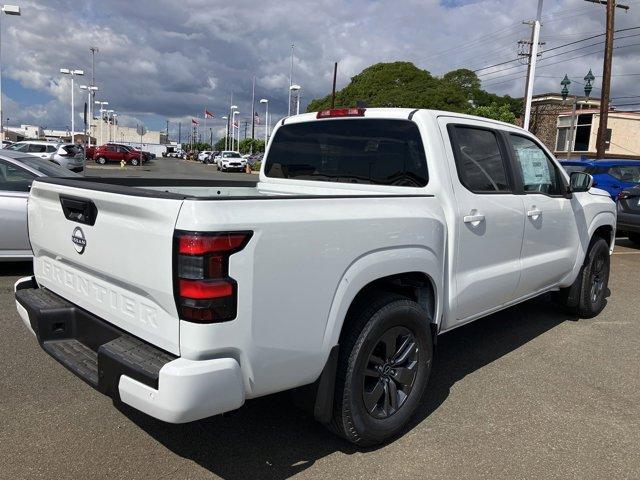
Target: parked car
67,155
610,174
17,172
370,232
6,143
146,155
117,153
203,155
210,158
628,203
229,160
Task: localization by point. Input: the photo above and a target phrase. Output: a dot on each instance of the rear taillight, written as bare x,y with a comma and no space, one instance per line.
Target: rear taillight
341,112
205,293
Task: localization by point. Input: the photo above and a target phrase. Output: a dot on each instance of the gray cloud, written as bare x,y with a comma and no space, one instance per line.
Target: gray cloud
168,60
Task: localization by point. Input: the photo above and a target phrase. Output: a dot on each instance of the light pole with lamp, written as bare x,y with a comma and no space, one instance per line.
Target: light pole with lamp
226,132
102,110
72,73
8,10
296,89
266,120
114,119
90,90
589,78
109,112
233,124
231,118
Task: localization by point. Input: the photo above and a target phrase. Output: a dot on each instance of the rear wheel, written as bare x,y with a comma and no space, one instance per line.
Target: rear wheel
383,367
101,160
635,238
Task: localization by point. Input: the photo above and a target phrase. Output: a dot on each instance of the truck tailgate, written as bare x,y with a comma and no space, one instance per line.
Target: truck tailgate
110,254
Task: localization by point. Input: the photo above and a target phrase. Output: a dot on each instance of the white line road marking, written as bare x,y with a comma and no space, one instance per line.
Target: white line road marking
626,253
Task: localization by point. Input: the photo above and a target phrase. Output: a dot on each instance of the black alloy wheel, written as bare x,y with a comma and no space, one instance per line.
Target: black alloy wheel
390,372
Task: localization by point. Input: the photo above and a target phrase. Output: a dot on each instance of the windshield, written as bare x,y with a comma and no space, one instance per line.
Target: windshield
19,147
626,173
46,168
372,151
231,155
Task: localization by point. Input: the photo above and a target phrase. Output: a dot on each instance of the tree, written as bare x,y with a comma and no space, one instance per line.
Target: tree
245,146
402,84
220,144
496,112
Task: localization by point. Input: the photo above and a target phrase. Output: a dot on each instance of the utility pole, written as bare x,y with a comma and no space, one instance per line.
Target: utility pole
93,51
167,134
601,141
246,125
531,72
180,134
333,90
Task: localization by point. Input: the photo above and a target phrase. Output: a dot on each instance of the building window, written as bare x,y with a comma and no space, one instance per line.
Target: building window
582,133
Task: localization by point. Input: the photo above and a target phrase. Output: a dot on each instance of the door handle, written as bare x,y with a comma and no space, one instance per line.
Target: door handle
473,218
534,213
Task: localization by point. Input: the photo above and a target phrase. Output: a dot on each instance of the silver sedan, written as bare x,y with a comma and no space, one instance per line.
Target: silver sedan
17,172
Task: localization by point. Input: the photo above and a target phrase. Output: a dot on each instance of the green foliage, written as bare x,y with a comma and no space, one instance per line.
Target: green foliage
200,146
402,84
495,111
256,166
220,144
245,146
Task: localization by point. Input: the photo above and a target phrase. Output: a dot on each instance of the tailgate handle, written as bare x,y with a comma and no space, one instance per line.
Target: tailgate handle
79,210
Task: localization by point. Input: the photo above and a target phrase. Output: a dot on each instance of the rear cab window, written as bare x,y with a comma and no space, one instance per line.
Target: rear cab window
368,151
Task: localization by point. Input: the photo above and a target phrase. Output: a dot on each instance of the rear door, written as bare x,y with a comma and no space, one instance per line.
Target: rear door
490,219
109,253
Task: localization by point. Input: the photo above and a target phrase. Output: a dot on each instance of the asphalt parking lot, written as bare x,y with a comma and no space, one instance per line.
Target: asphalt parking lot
530,392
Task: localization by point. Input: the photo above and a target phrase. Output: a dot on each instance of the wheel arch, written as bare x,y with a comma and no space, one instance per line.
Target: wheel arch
414,272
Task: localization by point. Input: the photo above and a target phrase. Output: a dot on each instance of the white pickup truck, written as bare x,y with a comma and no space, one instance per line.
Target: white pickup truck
369,233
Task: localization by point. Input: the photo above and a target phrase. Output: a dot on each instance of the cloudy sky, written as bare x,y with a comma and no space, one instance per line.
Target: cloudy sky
165,60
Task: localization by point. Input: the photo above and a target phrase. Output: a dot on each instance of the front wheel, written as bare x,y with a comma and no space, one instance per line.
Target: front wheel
134,161
587,296
383,367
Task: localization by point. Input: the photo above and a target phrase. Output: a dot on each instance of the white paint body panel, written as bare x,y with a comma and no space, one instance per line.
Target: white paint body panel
306,261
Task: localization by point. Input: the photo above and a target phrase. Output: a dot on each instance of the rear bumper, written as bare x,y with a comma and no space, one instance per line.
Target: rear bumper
169,388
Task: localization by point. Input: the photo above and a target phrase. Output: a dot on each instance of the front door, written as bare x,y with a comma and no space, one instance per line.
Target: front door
550,232
490,220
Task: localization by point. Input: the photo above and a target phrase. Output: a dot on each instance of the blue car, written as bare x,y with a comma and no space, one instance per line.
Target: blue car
610,175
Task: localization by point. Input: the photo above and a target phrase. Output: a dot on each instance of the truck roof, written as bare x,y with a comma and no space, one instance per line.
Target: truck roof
400,113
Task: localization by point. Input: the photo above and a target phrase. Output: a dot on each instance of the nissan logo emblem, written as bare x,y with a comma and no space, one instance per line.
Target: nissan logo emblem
78,239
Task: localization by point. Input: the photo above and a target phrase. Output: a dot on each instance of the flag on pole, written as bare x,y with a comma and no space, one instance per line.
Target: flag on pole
208,114
194,121
256,119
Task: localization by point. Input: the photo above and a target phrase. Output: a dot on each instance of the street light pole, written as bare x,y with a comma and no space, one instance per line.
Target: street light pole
72,73
8,10
226,133
266,120
102,110
233,124
296,88
90,92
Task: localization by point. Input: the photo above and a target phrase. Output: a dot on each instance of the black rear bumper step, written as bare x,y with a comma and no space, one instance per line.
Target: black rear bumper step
91,348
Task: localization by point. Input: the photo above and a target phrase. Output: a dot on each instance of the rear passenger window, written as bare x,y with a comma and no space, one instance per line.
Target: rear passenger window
479,160
539,174
35,148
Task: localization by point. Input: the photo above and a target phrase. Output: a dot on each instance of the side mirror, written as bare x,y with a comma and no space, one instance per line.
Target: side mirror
580,182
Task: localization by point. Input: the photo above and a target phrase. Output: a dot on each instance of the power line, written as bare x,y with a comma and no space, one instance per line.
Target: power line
556,48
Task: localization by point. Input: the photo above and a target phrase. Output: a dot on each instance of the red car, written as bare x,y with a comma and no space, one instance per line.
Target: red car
117,153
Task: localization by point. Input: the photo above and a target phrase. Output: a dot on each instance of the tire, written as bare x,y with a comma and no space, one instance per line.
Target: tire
587,296
134,162
101,160
635,238
375,397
